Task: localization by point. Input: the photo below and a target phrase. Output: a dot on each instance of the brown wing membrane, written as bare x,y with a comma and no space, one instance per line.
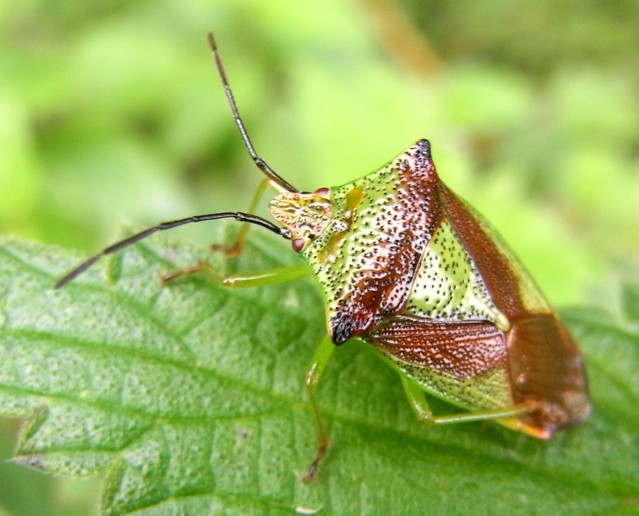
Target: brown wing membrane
546,368
495,268
462,350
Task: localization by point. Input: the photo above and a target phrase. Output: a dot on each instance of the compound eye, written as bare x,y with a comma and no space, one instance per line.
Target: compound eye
322,192
298,244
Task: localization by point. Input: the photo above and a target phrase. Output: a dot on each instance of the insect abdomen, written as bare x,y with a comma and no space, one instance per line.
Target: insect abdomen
547,371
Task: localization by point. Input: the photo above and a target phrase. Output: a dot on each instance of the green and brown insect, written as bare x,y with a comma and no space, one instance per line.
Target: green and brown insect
411,269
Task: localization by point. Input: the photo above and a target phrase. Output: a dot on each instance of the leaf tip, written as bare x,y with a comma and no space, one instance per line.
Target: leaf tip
31,461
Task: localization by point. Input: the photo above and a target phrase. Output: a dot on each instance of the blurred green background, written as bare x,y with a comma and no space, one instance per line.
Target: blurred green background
111,112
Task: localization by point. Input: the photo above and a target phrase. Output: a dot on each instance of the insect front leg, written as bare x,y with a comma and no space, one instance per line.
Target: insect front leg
198,268
320,360
233,250
236,248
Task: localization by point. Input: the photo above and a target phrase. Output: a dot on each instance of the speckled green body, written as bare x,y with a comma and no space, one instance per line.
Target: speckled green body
408,267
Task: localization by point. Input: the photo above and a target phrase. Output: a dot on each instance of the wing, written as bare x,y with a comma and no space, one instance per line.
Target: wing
462,362
510,286
547,368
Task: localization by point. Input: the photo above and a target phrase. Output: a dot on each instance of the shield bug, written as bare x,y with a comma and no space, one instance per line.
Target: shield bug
411,269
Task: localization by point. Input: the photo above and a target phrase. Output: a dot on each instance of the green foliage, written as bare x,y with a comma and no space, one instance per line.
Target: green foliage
535,36
189,398
112,111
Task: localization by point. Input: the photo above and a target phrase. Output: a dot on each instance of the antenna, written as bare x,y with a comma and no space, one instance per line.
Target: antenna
277,181
237,215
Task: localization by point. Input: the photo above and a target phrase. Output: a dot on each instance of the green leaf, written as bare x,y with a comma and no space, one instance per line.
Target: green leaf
189,398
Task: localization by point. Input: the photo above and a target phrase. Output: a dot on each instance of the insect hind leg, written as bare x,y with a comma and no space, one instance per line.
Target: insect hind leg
417,400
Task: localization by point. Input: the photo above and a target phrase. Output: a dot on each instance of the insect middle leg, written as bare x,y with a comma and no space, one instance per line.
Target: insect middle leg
257,279
321,358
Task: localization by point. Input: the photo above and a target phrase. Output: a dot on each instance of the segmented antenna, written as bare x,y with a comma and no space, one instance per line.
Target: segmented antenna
277,181
238,215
